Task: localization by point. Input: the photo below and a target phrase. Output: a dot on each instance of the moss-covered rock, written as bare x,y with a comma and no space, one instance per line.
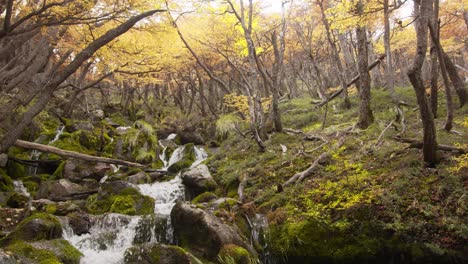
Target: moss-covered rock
204,197
38,226
62,250
210,234
127,201
234,254
156,254
26,253
198,180
17,200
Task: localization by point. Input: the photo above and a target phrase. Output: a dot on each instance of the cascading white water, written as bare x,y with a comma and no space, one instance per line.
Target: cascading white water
200,156
19,188
107,239
111,235
58,133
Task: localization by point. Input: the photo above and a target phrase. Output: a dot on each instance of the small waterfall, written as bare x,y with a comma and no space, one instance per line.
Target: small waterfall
107,240
19,188
112,234
260,237
35,154
200,156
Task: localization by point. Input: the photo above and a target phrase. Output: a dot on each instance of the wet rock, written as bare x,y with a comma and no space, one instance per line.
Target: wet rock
58,189
187,136
64,208
114,187
77,170
156,254
198,180
210,234
17,200
139,178
79,222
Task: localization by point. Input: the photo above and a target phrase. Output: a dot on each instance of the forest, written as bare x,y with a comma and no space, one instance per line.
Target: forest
233,131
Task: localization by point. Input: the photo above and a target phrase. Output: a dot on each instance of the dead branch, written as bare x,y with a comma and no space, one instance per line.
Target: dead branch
303,174
419,145
72,154
379,139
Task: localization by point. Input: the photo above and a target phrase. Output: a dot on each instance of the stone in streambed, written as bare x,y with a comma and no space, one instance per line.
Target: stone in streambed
198,180
210,234
150,253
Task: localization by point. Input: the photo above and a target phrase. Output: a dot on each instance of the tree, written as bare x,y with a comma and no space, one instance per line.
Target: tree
422,12
365,113
60,74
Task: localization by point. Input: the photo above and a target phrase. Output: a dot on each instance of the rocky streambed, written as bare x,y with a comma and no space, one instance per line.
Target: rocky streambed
96,213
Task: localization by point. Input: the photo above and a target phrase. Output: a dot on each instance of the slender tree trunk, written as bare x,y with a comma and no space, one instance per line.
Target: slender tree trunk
456,80
448,95
434,66
422,11
388,53
365,113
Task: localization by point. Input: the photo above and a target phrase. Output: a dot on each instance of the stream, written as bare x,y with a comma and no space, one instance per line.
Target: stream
112,234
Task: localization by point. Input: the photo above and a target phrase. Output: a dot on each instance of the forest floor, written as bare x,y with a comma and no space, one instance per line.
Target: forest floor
371,193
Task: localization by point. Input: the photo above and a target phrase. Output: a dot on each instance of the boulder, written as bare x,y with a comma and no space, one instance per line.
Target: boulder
10,217
187,136
37,227
210,234
152,253
62,249
139,178
79,222
77,170
198,180
58,189
119,197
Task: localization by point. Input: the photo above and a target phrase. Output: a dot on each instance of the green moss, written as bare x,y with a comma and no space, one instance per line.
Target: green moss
232,254
25,250
16,170
51,208
6,183
129,201
65,252
204,197
58,174
36,227
123,205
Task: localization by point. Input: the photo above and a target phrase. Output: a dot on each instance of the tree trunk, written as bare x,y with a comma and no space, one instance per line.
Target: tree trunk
422,11
448,95
388,52
365,113
434,66
26,118
456,80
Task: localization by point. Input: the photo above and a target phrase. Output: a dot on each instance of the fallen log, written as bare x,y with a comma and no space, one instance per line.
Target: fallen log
355,79
419,145
73,154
